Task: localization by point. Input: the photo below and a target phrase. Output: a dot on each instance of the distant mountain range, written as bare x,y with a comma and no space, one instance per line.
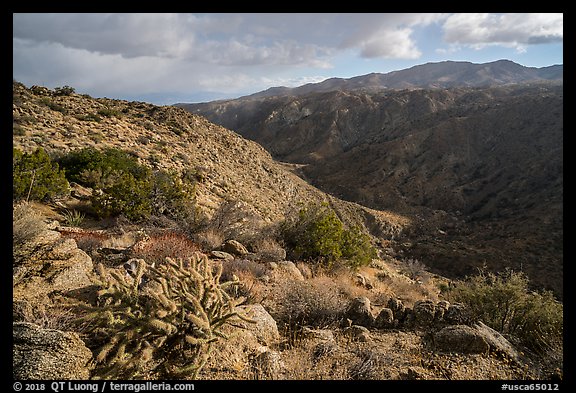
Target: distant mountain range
431,75
474,150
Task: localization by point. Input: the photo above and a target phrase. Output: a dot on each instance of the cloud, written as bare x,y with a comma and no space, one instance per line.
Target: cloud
385,35
228,39
510,30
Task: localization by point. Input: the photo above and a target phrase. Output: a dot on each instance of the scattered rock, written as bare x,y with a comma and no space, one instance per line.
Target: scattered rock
497,342
318,334
411,374
385,319
264,328
460,339
234,247
48,354
424,311
268,365
397,308
305,270
289,268
457,314
221,255
441,309
359,311
357,333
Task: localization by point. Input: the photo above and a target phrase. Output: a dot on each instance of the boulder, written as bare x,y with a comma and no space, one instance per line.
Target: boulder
424,311
460,339
397,308
359,312
441,309
221,255
357,333
48,354
268,364
264,327
385,319
52,264
497,342
318,334
288,268
234,247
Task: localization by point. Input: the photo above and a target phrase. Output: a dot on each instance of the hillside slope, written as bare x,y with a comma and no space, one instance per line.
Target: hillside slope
231,167
488,160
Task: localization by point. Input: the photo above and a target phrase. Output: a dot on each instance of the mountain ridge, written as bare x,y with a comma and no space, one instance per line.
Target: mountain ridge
441,74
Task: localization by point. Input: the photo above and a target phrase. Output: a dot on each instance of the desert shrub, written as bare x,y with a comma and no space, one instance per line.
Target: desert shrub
504,302
163,321
36,177
27,223
210,239
169,244
244,267
90,166
73,217
48,102
317,302
357,248
173,195
125,195
64,91
413,268
317,233
89,117
123,186
18,130
107,112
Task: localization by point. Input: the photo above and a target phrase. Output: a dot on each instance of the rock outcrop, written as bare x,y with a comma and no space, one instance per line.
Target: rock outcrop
48,354
49,263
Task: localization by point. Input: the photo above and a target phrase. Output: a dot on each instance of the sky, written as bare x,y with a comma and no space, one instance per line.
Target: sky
170,58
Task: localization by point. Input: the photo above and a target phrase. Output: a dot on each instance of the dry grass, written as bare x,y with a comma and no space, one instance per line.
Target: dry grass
46,316
169,244
209,239
297,303
250,274
87,241
27,223
269,250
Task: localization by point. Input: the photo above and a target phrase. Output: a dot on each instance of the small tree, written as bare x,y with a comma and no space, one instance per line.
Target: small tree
318,234
36,177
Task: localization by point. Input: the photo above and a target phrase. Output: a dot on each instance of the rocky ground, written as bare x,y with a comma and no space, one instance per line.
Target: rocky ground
376,323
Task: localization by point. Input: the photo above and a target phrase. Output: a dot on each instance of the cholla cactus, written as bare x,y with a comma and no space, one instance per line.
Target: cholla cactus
160,320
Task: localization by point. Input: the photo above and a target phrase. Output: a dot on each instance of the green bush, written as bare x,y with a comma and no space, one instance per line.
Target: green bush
318,234
36,177
159,321
91,167
123,186
64,91
504,302
122,193
357,248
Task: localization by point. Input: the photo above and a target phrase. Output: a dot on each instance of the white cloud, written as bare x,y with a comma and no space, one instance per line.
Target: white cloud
510,30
